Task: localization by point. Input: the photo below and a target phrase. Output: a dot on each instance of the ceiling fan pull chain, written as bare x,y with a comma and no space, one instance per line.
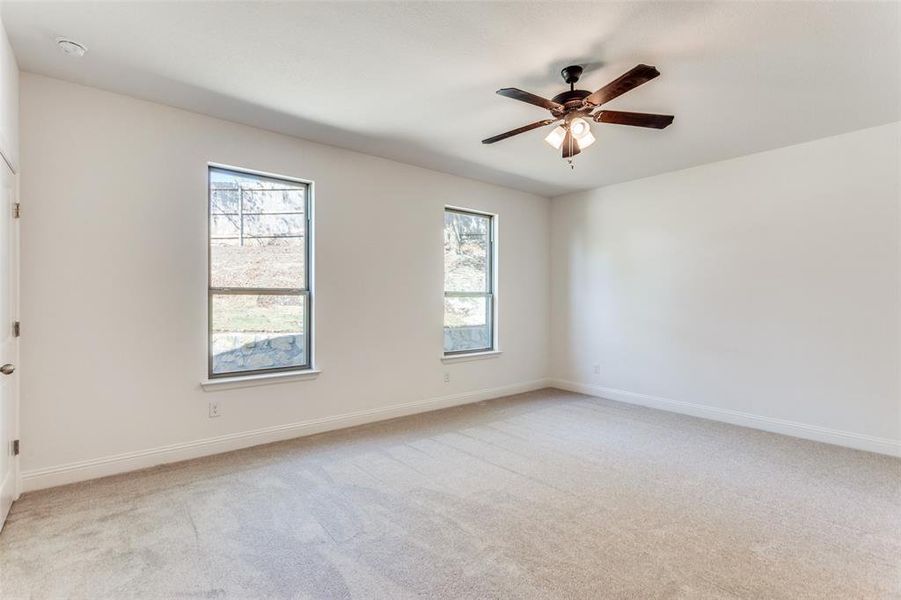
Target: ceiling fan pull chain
573,144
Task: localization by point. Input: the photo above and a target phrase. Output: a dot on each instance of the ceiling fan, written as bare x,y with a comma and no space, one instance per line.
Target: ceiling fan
573,107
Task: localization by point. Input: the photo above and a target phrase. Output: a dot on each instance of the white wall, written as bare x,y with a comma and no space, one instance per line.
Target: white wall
114,279
763,287
762,290
9,102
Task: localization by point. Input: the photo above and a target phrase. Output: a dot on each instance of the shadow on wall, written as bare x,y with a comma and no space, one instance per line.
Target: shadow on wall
192,97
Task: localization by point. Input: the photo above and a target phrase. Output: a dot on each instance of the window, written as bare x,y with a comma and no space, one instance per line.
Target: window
468,282
259,280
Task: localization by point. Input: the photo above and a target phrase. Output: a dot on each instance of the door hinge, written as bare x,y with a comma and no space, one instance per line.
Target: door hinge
17,329
15,447
17,210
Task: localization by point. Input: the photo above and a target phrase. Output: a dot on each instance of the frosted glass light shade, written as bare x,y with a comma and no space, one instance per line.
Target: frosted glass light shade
555,137
579,127
586,140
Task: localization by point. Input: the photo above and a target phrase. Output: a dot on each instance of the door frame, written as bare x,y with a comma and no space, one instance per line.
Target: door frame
15,278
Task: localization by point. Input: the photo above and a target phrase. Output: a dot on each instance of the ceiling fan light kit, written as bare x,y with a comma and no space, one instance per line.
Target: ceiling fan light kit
570,109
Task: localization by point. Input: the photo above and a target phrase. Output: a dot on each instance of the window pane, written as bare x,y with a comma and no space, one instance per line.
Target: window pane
466,252
223,179
274,201
224,200
274,225
224,226
252,332
257,231
260,262
467,323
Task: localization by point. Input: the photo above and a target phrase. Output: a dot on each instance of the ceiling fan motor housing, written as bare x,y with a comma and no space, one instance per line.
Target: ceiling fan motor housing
571,99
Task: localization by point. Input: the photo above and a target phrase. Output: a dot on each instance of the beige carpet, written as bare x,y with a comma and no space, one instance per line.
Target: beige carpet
542,495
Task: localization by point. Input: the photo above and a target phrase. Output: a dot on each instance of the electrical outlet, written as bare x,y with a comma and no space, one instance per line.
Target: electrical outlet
446,377
214,410
597,369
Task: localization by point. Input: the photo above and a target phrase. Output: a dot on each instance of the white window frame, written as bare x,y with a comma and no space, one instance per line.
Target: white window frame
277,373
492,294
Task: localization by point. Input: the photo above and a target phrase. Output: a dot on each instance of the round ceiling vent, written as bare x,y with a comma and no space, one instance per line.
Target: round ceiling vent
70,48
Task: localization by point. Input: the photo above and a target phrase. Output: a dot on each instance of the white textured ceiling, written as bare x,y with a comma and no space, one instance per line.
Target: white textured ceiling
415,82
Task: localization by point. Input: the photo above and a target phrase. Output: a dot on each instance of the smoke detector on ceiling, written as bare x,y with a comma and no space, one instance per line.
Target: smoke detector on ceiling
70,48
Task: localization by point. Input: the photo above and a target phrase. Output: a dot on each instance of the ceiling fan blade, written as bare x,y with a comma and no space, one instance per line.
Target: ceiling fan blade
518,94
633,118
622,84
570,145
519,130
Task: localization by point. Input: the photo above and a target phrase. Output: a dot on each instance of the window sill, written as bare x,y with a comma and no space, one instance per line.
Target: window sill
240,381
454,358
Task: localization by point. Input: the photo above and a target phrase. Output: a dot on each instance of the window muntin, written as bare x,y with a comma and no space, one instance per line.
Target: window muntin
468,282
259,292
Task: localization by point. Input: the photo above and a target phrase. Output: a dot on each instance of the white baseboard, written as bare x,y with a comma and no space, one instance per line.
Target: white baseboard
793,428
130,461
